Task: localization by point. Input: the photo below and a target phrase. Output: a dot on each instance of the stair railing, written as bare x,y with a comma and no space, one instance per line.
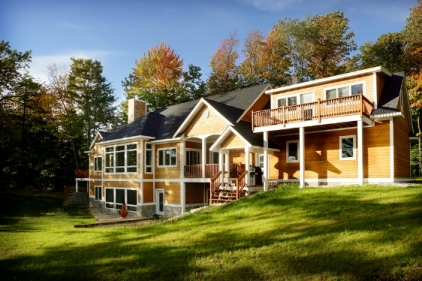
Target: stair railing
240,183
215,184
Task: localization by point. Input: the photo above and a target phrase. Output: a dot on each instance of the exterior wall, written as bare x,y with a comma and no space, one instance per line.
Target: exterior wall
236,156
201,125
167,172
232,141
195,193
171,190
401,148
322,156
148,192
258,105
319,88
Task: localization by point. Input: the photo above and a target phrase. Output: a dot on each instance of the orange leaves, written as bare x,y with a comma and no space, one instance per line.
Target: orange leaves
161,69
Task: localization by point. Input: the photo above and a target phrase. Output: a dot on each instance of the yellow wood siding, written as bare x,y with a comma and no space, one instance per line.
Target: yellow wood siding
232,141
236,156
258,105
319,88
171,190
122,184
199,126
401,148
167,172
195,193
148,192
322,155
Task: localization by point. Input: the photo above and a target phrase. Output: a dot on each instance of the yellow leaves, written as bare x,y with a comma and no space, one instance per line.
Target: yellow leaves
160,69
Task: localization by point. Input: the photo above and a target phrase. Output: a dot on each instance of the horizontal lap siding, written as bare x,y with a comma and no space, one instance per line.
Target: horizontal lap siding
236,157
167,172
232,141
322,156
122,184
148,192
319,89
200,126
195,193
401,148
376,151
172,191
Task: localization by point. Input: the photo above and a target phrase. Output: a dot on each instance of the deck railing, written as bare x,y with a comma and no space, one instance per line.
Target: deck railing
344,106
81,173
195,171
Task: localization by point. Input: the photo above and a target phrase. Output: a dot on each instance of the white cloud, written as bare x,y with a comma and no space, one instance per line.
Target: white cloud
39,64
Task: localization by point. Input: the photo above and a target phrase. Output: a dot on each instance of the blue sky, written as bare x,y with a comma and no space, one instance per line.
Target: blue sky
118,32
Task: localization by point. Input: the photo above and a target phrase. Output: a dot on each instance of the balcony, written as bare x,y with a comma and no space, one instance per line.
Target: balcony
81,174
316,111
195,171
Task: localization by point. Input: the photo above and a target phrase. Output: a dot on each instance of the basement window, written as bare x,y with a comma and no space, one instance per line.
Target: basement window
347,147
292,151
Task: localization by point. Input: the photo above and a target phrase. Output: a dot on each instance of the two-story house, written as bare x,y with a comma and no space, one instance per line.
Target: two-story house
349,129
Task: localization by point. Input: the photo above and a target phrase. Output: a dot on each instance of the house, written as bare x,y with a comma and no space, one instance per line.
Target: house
350,128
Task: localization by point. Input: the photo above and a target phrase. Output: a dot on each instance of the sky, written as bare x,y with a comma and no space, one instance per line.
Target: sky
118,32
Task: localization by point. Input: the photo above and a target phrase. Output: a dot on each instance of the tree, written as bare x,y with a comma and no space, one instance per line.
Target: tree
413,39
316,47
92,96
252,67
156,77
193,87
388,51
225,73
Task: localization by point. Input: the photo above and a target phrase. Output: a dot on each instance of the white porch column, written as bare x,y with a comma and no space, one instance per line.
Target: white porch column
392,149
265,172
182,174
220,164
360,152
301,157
76,185
204,155
247,164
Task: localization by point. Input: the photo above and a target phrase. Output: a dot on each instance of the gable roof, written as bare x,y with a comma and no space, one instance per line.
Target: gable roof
165,122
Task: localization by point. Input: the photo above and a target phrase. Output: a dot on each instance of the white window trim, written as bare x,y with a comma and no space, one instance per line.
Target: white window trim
114,197
287,152
259,160
345,85
95,163
158,157
341,147
114,167
95,193
298,98
152,158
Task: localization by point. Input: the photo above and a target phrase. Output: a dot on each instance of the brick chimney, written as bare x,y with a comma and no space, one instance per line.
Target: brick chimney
135,109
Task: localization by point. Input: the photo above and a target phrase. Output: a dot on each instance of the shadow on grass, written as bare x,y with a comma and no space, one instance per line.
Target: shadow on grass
284,234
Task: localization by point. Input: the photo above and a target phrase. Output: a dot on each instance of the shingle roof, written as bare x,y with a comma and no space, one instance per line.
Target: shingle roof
164,122
390,96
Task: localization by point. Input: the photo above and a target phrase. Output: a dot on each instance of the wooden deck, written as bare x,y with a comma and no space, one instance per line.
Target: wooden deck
321,109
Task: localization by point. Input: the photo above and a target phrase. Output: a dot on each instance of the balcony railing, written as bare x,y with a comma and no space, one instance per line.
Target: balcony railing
195,171
81,173
321,109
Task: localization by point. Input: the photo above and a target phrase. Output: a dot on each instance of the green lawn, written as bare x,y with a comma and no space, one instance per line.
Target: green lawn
342,233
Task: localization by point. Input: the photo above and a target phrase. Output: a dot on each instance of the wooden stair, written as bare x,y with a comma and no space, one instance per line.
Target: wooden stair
223,196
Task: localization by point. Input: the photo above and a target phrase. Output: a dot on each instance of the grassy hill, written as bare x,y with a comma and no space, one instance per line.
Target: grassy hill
342,233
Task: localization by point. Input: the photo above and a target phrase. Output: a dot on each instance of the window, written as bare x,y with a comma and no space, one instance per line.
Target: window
261,161
193,157
148,158
292,151
344,91
347,147
115,197
98,164
287,101
98,194
214,156
167,157
121,159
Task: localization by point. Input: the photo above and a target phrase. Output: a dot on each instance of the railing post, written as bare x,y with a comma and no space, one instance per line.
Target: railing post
284,115
361,104
319,110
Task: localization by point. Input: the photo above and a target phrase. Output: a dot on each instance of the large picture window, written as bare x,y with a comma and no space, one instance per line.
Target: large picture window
292,151
347,147
167,157
115,197
98,164
121,159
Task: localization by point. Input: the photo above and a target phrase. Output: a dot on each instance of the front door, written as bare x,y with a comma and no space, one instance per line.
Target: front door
160,201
